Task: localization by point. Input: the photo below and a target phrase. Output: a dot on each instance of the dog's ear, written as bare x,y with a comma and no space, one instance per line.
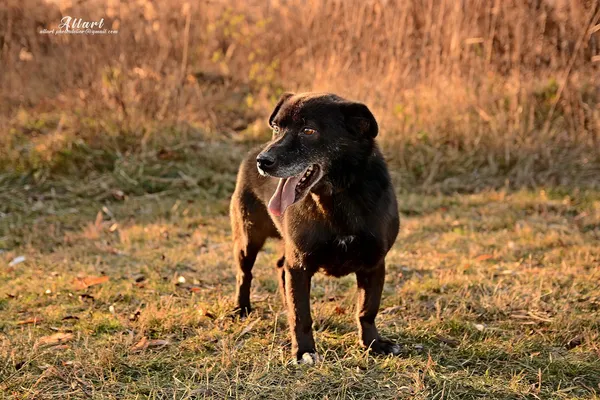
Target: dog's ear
282,100
359,119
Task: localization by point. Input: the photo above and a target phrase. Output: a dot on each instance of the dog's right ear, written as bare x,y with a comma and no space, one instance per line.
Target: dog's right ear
282,100
360,119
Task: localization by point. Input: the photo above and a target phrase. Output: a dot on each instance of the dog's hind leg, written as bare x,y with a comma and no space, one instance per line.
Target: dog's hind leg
245,253
251,226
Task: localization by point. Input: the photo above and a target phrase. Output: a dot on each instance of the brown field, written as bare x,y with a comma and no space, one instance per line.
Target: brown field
118,155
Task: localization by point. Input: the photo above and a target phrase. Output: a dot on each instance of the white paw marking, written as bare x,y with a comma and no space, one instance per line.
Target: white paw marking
308,359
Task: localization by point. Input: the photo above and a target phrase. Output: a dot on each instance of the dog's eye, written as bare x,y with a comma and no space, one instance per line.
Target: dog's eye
275,130
309,131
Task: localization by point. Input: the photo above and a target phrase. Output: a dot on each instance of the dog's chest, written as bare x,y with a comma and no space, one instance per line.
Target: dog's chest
335,253
341,257
333,230
329,237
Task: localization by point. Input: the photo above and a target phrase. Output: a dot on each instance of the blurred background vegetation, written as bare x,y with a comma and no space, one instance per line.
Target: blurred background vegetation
469,94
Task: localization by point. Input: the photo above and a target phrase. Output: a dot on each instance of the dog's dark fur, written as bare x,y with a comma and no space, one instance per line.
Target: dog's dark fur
345,223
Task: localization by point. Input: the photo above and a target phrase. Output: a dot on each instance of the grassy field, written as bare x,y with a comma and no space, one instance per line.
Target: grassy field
118,155
126,291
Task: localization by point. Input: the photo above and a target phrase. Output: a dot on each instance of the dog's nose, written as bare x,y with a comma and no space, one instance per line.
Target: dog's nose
265,161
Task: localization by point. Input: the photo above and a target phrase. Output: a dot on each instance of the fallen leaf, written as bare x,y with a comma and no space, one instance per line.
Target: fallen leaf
484,257
85,282
107,212
118,194
144,344
158,343
449,341
164,154
249,327
479,327
56,339
98,221
340,310
576,341
141,345
16,260
34,320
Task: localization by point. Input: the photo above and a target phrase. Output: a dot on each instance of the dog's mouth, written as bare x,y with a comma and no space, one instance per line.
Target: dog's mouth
294,188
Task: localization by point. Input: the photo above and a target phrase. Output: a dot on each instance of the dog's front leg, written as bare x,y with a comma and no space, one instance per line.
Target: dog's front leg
370,287
297,291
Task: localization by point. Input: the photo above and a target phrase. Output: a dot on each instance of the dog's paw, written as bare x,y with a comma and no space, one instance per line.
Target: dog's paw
308,359
385,347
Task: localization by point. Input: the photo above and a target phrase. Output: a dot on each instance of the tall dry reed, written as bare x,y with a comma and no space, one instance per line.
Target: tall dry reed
467,92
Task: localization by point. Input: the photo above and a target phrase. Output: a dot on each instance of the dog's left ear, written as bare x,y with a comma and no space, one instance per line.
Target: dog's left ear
359,119
282,100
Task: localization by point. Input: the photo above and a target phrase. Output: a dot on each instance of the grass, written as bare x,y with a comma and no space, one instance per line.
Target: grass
118,156
492,295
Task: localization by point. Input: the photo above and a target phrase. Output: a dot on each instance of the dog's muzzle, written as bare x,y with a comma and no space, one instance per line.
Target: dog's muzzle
265,163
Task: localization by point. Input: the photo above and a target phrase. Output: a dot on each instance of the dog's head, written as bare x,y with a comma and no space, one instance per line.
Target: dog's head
317,138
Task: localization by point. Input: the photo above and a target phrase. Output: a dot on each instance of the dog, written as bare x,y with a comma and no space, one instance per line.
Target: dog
322,185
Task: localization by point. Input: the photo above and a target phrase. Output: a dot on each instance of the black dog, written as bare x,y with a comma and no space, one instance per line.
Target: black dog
323,186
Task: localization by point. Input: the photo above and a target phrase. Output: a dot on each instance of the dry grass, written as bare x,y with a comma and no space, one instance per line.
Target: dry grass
492,295
118,156
468,94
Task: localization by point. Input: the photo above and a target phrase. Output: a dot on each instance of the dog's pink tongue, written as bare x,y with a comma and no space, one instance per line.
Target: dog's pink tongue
284,195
